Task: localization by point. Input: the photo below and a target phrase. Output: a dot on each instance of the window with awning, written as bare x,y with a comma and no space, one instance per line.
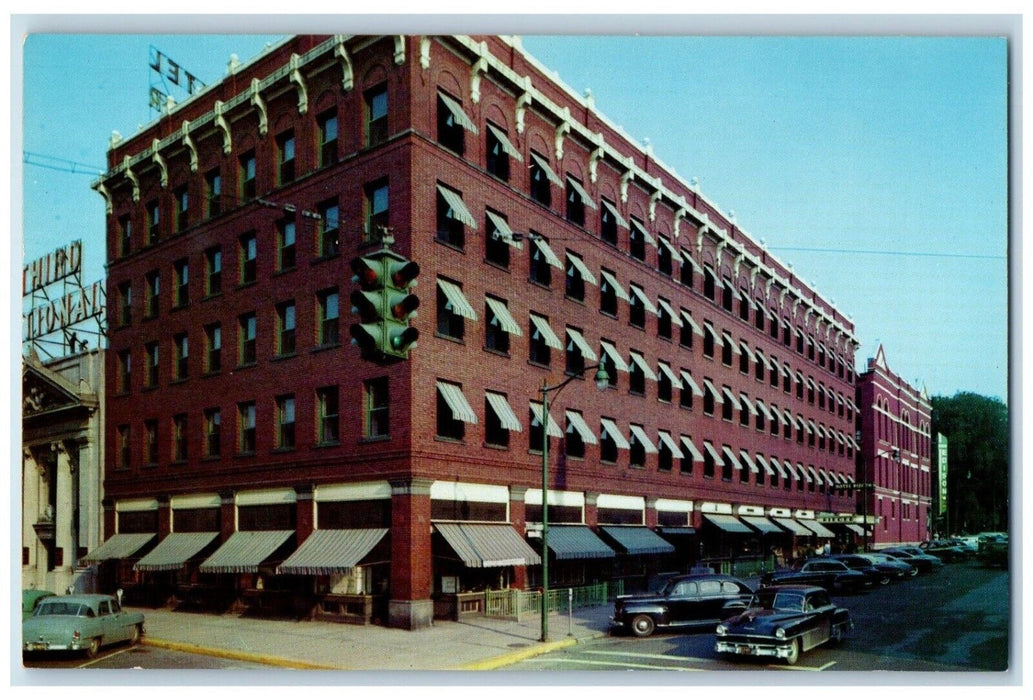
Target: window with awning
579,188
611,430
667,440
460,407
456,207
732,459
687,378
577,424
578,264
621,221
687,317
641,363
730,395
762,461
245,551
640,294
503,318
675,318
175,550
542,328
539,420
609,279
118,546
502,230
747,403
503,411
456,110
709,447
457,302
504,141
748,461
328,552
547,252
611,352
713,391
488,545
546,168
666,370
689,445
641,230
777,464
579,341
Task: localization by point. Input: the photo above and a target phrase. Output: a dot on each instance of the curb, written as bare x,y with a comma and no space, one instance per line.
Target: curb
266,659
524,654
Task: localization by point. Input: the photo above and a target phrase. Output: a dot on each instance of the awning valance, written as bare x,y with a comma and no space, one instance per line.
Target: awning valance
486,545
327,552
175,550
638,540
244,551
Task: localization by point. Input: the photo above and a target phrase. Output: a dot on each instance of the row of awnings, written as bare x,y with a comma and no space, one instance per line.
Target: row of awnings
765,525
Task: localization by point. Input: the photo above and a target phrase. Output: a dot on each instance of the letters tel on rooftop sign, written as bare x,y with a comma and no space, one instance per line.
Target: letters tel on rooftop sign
165,71
76,303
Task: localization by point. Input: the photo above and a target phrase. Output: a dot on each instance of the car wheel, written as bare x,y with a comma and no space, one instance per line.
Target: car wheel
837,635
884,580
913,572
794,652
93,649
642,625
134,636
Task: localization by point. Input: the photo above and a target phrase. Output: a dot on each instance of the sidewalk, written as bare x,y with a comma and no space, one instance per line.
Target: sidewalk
476,644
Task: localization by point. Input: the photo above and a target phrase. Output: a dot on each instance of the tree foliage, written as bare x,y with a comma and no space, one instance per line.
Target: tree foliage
978,458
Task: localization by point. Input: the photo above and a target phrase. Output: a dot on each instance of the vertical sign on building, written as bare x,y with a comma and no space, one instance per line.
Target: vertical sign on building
941,471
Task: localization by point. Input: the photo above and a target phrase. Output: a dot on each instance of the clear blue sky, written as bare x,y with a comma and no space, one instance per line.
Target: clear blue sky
877,166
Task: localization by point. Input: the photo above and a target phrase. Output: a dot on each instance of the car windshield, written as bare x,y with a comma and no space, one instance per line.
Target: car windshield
63,608
791,601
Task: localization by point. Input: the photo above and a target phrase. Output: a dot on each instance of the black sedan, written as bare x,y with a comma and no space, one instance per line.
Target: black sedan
689,600
880,574
901,567
915,557
830,574
783,622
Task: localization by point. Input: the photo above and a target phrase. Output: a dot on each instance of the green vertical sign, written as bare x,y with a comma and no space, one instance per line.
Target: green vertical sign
941,461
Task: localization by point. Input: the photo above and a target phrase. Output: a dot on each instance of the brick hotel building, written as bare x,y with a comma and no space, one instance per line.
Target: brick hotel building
254,458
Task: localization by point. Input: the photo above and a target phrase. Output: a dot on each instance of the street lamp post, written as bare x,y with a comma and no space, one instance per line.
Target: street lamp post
602,379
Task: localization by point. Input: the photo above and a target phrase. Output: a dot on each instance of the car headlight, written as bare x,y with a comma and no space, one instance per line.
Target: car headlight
721,630
780,633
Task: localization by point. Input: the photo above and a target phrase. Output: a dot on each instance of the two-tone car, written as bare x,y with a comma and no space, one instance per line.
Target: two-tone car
80,623
914,556
828,573
877,573
901,568
700,600
782,622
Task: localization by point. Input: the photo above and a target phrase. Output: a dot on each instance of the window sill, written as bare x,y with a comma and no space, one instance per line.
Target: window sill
449,338
179,380
280,358
324,348
452,246
326,445
500,353
496,447
369,439
452,440
247,365
539,283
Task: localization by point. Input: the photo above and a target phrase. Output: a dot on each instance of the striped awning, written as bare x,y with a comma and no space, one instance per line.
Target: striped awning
118,546
244,551
579,340
662,303
640,436
582,193
793,526
457,207
745,456
818,529
638,540
611,351
546,168
327,552
458,114
761,523
638,229
687,317
484,545
503,139
539,419
687,378
577,542
502,230
728,523
175,550
611,430
640,362
666,439
764,463
546,251
543,329
575,423
611,281
503,319
503,411
453,396
579,265
857,529
621,221
641,295
732,459
457,302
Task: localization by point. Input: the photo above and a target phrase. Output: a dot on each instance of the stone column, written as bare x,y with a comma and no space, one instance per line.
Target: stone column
64,513
518,517
410,606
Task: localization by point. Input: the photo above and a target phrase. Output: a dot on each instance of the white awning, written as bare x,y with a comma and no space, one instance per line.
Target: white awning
747,403
579,188
763,409
575,423
730,395
543,329
503,318
643,365
503,411
553,429
641,230
814,474
547,253
457,208
821,430
728,340
670,312
746,350
777,464
582,269
453,396
764,463
457,302
670,248
610,280
610,429
666,439
727,452
611,352
687,317
612,208
507,145
639,434
713,391
714,454
666,370
646,303
687,378
502,230
579,340
688,444
745,457
458,114
546,168
792,470
800,468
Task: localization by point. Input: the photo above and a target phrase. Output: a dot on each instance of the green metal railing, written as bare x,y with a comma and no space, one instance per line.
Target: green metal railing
516,604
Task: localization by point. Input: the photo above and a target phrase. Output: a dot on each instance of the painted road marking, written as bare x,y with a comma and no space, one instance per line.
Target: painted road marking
616,664
659,657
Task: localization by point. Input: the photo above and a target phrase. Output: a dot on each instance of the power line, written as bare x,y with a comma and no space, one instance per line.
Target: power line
904,253
62,164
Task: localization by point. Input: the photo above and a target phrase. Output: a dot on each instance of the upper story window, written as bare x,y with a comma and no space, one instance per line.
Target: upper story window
328,331
638,305
376,205
376,404
709,284
453,124
150,379
578,275
609,219
744,305
179,437
709,340
542,260
499,325
542,341
576,435
500,150
212,271
247,175
542,177
376,115
329,243
213,348
609,293
181,291
180,356
498,239
665,258
285,329
285,155
248,258
153,222
152,294
213,193
577,200
637,239
727,294
499,419
453,411
125,303
665,319
285,422
182,195
758,315
125,367
577,352
285,244
452,310
685,275
247,334
327,138
452,217
327,428
246,427
125,235
212,432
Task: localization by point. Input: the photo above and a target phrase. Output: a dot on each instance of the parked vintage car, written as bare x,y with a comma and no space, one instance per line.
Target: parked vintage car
80,623
900,567
993,550
945,550
877,573
916,558
31,598
828,573
685,601
783,622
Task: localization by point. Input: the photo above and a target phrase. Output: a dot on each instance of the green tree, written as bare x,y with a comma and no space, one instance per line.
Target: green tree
978,478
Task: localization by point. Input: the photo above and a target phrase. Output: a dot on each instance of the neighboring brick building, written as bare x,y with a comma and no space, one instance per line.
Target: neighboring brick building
241,420
895,455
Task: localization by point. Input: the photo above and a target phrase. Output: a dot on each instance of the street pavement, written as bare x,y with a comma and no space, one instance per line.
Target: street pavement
476,644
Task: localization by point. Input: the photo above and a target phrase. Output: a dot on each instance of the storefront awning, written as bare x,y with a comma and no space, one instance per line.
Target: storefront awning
639,540
328,552
819,529
483,545
577,542
857,529
175,550
761,523
793,526
244,551
120,546
728,523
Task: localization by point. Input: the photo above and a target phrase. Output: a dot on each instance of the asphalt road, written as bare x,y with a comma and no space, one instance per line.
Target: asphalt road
123,657
953,620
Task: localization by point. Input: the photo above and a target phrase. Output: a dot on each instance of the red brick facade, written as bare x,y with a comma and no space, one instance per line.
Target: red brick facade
798,348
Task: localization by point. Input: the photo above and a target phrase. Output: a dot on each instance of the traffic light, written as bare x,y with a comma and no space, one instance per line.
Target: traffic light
385,305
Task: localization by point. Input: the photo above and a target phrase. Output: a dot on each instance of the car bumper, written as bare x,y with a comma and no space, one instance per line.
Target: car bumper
55,646
772,649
